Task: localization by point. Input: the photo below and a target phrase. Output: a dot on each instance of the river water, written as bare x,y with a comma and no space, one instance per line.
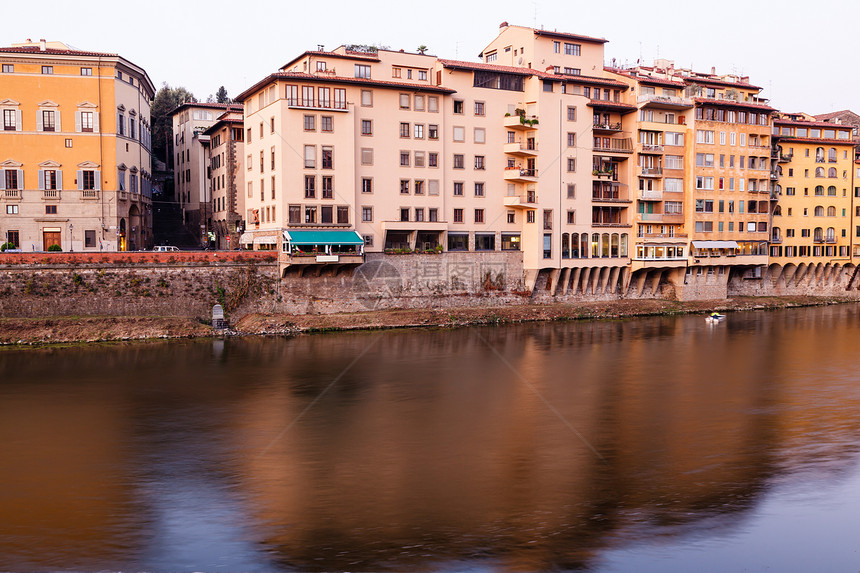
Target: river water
655,444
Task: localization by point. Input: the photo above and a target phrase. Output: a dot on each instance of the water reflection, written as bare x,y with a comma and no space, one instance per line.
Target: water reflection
521,448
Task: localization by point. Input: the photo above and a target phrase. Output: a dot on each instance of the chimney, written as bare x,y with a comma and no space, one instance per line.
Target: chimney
713,70
43,45
503,25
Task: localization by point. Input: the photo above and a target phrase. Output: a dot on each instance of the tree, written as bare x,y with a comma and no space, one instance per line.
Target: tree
166,100
221,95
421,49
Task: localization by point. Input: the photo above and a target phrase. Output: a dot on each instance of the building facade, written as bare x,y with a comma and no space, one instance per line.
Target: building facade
227,178
75,160
192,169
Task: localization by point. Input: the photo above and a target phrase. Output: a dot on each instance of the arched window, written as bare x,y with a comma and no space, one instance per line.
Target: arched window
614,245
819,211
831,235
775,234
831,155
777,211
574,245
831,191
819,172
832,173
819,190
831,211
565,246
819,155
817,234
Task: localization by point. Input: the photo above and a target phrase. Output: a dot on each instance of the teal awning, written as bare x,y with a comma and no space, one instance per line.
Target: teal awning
317,237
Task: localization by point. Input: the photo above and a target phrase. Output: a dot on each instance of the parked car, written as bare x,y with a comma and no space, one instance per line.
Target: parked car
165,249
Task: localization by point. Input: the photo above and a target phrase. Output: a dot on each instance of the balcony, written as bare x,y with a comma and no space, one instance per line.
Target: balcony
664,102
776,239
653,149
51,194
122,195
521,122
785,157
650,195
605,127
610,194
522,201
517,174
663,238
651,172
661,218
314,104
89,194
11,194
613,146
521,149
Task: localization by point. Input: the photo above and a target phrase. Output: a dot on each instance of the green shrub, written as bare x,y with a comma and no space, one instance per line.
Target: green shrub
55,248
6,246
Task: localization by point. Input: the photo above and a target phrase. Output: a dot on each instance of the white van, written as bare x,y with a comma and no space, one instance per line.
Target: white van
165,249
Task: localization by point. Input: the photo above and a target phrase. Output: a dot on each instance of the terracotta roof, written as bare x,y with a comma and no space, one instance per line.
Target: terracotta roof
611,104
54,52
565,36
580,79
339,80
458,64
732,103
226,106
801,123
834,114
347,56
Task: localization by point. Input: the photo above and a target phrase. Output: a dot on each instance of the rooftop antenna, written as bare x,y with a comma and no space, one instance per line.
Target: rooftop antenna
535,7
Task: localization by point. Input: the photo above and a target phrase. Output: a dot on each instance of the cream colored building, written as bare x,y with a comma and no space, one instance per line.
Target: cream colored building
191,167
75,162
227,178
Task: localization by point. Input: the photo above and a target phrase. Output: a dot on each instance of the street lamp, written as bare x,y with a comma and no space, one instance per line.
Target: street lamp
71,239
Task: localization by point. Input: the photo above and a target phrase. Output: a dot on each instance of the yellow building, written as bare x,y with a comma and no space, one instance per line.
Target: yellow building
812,215
75,165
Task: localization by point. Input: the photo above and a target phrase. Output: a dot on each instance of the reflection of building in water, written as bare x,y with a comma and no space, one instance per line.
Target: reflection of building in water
431,440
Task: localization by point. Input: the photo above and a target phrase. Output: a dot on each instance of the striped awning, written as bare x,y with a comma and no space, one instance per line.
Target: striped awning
715,244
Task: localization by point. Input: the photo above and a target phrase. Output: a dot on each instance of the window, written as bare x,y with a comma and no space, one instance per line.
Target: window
433,159
366,127
327,188
404,129
404,100
366,98
571,139
87,180
326,123
571,164
480,135
459,133
310,214
10,119
458,188
418,187
479,162
433,131
50,209
458,216
571,190
8,68
479,108
571,113
327,157
419,131
479,215
404,187
47,117
571,217
704,136
459,161
419,159
11,209
479,189
362,71
367,214
309,123
418,102
310,187
366,156
433,188
572,49
458,106
48,70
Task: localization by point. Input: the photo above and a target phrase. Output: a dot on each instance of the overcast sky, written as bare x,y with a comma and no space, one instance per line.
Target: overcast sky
798,52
